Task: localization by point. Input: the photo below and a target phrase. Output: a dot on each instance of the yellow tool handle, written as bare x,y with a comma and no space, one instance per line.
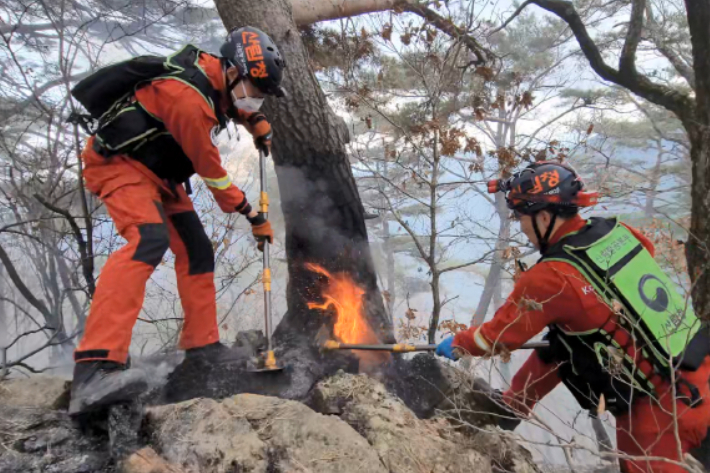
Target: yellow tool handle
403,348
266,279
270,361
264,202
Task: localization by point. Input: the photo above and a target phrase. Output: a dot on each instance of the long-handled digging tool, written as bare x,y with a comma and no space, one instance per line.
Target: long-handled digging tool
405,347
268,362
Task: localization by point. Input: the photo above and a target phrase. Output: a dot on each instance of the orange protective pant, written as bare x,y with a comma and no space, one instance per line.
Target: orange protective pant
151,219
651,432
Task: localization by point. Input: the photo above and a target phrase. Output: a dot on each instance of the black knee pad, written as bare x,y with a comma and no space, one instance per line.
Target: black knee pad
154,241
199,247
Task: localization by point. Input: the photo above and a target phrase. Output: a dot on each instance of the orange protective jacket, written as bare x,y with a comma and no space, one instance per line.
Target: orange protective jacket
194,126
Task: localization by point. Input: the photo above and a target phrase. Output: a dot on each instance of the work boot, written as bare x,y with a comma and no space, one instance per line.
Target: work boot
98,384
212,355
491,401
205,371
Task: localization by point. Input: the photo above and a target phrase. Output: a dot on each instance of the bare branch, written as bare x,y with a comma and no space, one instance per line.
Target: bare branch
469,263
511,17
676,101
658,38
22,287
25,334
627,60
50,343
447,26
86,260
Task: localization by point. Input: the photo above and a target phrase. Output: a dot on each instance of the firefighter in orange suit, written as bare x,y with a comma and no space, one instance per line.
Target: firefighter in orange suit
660,413
142,190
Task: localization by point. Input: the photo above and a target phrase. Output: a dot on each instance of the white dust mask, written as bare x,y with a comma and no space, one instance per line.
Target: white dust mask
248,104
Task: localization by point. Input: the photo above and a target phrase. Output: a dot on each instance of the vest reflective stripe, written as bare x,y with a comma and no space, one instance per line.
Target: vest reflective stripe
221,183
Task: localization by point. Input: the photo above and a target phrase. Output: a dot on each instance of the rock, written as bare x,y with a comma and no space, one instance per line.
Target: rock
358,426
41,391
252,433
467,399
504,452
412,380
406,443
146,460
42,440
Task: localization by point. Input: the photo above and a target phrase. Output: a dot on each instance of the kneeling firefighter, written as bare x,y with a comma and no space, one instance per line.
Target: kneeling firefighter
158,119
622,338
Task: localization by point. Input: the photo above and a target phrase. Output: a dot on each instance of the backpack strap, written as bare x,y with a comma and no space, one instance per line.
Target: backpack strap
187,60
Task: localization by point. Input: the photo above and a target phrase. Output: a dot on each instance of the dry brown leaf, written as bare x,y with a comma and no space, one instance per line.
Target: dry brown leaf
485,72
601,407
387,32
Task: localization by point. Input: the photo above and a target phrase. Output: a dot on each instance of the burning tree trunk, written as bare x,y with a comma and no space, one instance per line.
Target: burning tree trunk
329,260
321,205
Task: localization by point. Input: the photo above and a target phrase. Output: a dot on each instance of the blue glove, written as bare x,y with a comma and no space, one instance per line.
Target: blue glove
446,349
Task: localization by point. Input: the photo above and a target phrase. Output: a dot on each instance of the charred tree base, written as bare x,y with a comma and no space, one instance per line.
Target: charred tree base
303,366
418,381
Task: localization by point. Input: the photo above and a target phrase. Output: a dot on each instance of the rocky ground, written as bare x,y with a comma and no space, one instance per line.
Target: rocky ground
348,423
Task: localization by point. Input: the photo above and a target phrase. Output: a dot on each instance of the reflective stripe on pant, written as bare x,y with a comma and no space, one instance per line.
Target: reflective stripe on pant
150,222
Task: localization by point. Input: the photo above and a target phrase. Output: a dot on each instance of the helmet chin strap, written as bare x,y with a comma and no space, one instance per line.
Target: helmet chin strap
233,84
231,109
543,241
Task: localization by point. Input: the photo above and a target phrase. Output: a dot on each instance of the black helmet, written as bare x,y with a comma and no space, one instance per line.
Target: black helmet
545,186
256,56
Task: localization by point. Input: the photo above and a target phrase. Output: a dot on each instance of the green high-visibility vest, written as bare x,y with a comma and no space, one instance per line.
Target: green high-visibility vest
649,306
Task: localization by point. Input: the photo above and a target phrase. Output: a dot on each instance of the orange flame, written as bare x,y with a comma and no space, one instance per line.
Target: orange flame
346,298
351,326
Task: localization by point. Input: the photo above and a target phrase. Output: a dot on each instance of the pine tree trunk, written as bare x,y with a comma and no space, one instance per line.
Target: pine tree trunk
698,245
698,126
320,201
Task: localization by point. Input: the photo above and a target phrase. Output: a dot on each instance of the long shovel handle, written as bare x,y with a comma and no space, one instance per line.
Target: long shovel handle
405,347
266,275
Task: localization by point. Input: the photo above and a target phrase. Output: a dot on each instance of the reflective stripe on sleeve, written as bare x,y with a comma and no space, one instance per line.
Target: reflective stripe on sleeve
481,342
221,183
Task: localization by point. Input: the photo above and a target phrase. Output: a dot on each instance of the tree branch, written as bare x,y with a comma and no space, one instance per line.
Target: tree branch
50,343
25,334
447,26
678,102
463,265
627,60
86,261
511,17
657,38
24,290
